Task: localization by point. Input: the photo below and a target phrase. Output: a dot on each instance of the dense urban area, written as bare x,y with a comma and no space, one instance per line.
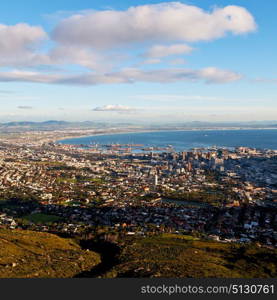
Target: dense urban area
217,194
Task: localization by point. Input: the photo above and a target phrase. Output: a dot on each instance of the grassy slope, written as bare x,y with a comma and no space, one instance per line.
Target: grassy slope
41,218
171,256
25,254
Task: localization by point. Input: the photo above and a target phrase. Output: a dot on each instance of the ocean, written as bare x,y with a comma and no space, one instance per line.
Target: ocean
185,140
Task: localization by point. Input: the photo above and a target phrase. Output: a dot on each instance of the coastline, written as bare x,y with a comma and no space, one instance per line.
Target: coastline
162,130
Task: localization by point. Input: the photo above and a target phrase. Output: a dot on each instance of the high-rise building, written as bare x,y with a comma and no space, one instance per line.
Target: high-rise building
156,180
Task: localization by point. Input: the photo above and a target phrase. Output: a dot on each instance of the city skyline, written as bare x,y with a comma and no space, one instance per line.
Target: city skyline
138,60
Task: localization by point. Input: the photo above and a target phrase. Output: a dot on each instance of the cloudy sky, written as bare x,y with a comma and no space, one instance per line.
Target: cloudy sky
150,61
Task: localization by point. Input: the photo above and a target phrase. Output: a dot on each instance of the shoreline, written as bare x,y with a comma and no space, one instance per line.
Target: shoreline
162,130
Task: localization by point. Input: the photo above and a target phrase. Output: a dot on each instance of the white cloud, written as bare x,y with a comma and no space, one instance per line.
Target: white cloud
151,61
114,108
133,75
209,75
215,75
130,75
20,47
24,107
177,61
27,76
159,51
80,56
100,40
165,22
18,44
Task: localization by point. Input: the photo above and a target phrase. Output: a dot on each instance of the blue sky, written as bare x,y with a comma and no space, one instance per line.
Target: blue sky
159,61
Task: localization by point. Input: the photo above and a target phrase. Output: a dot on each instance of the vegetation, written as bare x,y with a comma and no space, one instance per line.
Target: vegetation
26,254
16,197
187,257
41,218
66,180
96,181
214,198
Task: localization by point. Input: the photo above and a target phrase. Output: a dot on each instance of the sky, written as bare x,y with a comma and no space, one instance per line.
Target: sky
138,61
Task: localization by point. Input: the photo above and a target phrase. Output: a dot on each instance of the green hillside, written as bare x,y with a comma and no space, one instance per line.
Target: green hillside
175,256
26,254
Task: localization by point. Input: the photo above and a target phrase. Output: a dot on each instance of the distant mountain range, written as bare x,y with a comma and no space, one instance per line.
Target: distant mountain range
56,124
199,124
28,123
23,126
51,124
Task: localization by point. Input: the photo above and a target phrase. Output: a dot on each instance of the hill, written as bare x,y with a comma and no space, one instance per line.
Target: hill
179,256
26,254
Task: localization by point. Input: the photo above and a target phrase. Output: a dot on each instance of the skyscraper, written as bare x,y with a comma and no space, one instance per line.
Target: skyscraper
156,180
